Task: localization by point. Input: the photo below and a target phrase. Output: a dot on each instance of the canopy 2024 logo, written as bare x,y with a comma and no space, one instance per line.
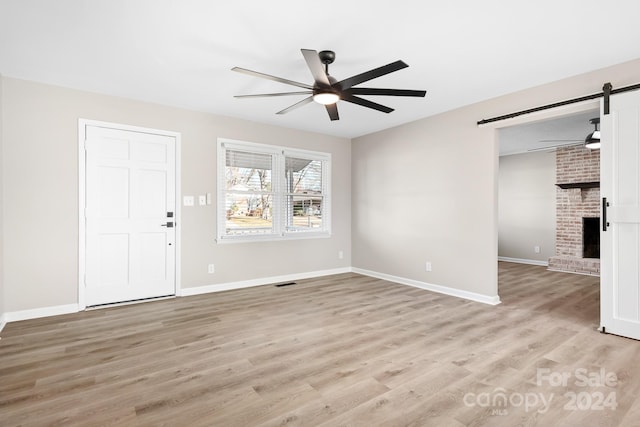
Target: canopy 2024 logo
598,397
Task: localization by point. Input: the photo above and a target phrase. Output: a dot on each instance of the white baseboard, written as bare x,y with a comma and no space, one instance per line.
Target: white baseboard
74,308
491,300
14,316
259,282
524,261
582,273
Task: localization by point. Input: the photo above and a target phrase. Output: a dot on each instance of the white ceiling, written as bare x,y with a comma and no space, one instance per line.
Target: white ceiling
181,53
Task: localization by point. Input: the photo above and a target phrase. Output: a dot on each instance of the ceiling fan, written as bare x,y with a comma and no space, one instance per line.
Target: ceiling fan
327,90
592,141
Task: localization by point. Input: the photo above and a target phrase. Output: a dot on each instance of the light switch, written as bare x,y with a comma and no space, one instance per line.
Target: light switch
202,200
188,200
209,198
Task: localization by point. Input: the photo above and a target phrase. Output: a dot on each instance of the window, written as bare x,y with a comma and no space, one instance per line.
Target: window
267,192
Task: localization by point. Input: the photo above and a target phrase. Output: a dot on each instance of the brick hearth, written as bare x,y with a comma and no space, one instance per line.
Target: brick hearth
575,165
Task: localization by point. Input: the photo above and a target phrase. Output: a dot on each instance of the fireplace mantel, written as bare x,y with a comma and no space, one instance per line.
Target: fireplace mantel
592,184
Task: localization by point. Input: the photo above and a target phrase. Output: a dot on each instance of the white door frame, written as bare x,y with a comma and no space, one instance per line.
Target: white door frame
550,113
82,170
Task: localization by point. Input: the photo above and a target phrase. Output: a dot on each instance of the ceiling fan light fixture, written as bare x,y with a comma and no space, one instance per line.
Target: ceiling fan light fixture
592,141
326,98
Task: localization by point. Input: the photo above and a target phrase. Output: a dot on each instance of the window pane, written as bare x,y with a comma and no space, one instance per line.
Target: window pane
304,176
246,171
248,213
305,213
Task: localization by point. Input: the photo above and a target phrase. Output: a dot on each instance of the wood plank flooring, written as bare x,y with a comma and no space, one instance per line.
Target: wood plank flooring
344,350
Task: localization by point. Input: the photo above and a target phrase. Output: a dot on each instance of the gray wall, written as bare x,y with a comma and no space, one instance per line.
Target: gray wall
527,206
424,191
40,168
2,297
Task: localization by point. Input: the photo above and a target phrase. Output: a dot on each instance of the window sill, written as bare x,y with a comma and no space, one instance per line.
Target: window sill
272,238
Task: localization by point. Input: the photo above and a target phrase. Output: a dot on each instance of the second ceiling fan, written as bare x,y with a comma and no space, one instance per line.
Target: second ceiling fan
591,142
328,91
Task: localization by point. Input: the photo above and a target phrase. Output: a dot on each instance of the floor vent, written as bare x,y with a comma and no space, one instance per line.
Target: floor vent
279,285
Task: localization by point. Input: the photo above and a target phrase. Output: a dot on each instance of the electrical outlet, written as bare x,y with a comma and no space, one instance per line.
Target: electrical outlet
187,200
340,255
427,266
212,268
536,249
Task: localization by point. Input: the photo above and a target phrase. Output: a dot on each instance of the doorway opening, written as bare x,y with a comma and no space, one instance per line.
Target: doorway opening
539,218
528,200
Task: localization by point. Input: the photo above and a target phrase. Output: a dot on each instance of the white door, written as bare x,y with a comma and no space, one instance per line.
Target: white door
620,186
129,215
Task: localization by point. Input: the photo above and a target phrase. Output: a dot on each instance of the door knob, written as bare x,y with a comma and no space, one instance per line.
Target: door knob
168,225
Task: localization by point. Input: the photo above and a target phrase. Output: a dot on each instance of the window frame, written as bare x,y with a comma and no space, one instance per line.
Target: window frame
279,189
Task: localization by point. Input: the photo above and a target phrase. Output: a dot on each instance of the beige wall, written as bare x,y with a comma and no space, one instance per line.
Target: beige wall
427,191
527,206
40,169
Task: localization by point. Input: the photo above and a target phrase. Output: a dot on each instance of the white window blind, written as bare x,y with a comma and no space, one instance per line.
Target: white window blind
269,192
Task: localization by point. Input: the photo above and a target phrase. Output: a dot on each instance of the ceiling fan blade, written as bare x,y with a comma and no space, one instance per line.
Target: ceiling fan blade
386,92
555,147
316,67
270,77
266,95
365,103
296,105
332,109
371,74
561,140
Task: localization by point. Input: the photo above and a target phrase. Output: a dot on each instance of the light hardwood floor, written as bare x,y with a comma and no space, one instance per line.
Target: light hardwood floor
344,350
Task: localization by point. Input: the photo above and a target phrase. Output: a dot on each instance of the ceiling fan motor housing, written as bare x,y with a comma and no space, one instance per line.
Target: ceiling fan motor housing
322,88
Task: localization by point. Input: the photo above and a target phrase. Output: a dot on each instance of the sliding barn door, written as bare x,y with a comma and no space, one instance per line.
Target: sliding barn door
620,235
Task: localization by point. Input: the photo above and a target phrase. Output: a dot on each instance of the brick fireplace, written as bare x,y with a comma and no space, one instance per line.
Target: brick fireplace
577,204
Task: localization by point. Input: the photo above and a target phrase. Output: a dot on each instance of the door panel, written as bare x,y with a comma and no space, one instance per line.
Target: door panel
113,196
153,256
149,193
626,306
113,258
620,184
130,194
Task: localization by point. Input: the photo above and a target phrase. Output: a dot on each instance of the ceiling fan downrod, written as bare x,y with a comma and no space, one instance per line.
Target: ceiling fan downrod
327,57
